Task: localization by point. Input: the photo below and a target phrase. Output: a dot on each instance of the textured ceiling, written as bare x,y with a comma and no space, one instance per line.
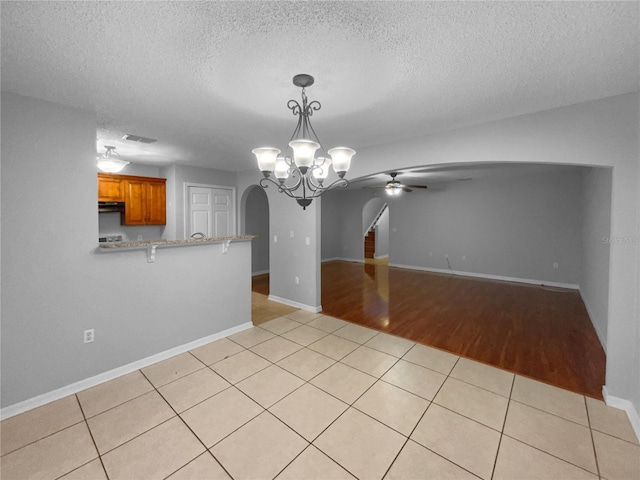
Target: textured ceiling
211,80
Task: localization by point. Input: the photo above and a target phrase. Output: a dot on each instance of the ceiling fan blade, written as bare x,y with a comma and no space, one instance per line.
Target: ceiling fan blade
416,186
406,189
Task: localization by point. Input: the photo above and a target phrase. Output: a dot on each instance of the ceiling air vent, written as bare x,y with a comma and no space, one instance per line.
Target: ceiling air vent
137,138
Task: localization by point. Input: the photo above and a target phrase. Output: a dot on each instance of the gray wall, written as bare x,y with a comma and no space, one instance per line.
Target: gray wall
370,211
331,234
290,256
344,222
596,234
55,285
257,223
511,227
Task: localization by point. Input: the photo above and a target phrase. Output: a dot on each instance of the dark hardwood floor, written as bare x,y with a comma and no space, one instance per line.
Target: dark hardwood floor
539,332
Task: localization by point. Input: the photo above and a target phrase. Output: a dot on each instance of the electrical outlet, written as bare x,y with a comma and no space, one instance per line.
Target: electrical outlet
297,280
555,265
291,233
89,336
307,240
446,256
464,257
275,239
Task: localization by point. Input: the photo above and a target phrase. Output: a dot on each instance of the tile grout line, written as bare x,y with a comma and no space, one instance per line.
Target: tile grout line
262,412
418,422
451,370
616,437
42,438
537,448
104,469
547,453
208,367
305,382
593,442
504,423
309,443
550,413
380,379
349,405
122,403
188,427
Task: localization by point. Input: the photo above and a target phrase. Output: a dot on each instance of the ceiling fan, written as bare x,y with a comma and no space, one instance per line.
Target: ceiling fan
394,187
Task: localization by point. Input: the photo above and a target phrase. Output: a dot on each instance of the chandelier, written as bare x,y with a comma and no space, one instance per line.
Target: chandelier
110,161
300,173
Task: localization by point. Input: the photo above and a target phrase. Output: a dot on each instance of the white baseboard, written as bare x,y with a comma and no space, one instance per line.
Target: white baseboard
261,272
381,256
625,405
76,387
601,337
488,276
291,303
342,259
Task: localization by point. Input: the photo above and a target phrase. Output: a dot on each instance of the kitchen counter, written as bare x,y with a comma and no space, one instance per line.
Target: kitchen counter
171,243
151,245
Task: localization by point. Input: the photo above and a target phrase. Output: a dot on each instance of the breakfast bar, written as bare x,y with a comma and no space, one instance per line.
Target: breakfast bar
151,245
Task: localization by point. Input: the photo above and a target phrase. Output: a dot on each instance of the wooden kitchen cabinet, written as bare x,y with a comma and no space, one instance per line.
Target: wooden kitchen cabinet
145,198
110,188
145,201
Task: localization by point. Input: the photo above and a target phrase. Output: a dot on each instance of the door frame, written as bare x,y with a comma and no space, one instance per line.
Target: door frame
187,202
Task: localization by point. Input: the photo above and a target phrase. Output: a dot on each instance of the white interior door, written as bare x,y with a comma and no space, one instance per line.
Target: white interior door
210,211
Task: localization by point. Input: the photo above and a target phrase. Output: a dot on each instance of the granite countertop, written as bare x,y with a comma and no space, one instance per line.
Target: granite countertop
183,241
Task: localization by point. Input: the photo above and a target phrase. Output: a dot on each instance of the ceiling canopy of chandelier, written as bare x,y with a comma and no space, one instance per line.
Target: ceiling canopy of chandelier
301,171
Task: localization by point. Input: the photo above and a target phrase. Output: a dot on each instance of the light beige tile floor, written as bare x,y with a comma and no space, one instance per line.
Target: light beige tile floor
310,397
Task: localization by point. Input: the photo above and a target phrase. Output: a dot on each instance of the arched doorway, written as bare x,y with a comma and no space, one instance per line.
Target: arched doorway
256,222
375,229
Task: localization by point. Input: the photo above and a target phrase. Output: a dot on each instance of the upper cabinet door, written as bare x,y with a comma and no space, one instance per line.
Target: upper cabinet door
110,188
156,203
135,207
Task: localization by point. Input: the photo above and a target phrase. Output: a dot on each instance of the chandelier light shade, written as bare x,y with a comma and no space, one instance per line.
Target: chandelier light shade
266,158
301,172
341,158
110,161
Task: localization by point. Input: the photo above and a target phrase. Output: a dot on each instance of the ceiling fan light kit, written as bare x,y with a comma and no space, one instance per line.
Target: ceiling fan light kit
306,171
393,188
